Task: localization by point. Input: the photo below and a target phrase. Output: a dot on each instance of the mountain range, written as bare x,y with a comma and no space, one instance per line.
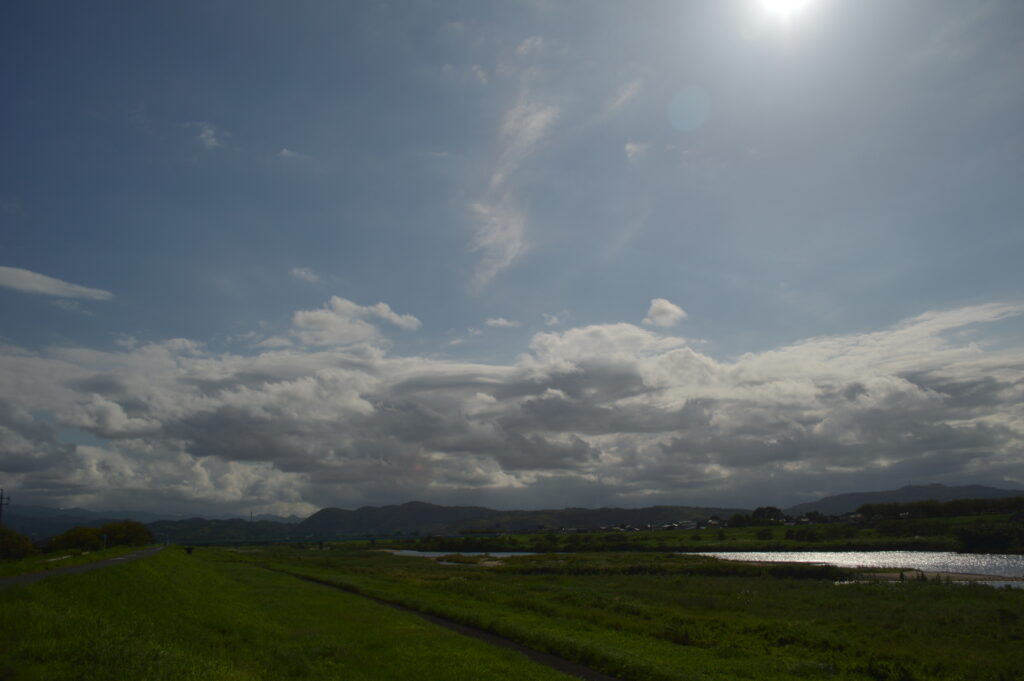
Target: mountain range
423,518
420,518
848,503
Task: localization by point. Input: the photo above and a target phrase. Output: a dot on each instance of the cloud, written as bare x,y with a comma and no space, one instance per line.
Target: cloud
33,282
635,150
342,322
500,238
624,95
523,126
664,313
499,220
550,319
532,45
614,413
207,134
305,274
501,322
289,154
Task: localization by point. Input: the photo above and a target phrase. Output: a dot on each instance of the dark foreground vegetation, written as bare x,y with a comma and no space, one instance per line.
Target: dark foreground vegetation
241,614
208,617
651,617
19,555
14,545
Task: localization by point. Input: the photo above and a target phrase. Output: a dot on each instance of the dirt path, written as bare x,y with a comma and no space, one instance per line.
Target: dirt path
32,577
557,663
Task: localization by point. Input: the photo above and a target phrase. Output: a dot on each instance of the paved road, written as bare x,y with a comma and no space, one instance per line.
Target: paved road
22,580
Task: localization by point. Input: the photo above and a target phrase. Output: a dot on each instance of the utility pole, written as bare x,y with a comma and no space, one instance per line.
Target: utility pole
3,502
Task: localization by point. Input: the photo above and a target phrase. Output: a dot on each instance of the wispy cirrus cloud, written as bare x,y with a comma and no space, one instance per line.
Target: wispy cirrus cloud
498,217
27,281
624,95
500,220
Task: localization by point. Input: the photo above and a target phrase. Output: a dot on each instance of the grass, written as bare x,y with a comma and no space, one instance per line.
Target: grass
60,559
656,617
211,617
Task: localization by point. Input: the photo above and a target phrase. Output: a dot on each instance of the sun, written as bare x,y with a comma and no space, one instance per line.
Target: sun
784,8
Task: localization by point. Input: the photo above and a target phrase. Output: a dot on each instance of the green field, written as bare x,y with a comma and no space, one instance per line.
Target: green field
650,617
208,617
642,616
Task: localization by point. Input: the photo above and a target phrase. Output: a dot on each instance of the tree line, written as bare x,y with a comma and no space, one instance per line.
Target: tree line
14,545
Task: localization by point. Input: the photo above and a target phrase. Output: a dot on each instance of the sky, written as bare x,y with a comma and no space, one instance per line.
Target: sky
278,256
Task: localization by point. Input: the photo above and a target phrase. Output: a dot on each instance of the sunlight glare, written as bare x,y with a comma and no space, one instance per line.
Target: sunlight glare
784,8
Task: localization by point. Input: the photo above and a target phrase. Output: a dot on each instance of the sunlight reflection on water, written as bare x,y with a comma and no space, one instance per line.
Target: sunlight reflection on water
995,564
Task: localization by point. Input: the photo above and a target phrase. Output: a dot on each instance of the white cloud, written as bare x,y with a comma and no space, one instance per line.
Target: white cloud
305,274
620,413
500,238
532,45
550,319
635,150
500,222
342,322
524,125
33,282
664,313
501,322
294,155
207,134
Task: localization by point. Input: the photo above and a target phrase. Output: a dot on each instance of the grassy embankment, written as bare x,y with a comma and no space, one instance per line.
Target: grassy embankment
60,559
652,617
208,617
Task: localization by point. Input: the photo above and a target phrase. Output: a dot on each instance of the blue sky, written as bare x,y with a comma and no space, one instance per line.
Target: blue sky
278,256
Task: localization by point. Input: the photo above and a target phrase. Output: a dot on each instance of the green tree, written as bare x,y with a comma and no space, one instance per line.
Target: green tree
14,545
126,533
84,538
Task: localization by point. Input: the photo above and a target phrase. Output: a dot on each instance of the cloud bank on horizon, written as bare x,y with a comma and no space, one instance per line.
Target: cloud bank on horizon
596,414
268,256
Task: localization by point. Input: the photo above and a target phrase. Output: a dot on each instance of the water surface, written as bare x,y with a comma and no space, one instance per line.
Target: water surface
994,564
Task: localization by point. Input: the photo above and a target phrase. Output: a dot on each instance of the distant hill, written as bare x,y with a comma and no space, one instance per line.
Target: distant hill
220,530
847,503
423,518
41,522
